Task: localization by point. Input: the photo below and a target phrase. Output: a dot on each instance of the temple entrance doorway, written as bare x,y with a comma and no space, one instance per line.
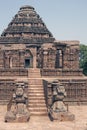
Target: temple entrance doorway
28,63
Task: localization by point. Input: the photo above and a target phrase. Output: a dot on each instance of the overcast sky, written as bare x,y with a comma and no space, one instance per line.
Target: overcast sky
66,19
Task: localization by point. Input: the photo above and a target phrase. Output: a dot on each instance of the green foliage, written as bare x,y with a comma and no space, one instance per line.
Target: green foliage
83,58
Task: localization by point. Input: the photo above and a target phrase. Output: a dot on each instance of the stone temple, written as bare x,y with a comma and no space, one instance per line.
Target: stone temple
30,54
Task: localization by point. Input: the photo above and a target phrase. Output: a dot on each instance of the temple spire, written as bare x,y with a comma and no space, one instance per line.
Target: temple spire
27,27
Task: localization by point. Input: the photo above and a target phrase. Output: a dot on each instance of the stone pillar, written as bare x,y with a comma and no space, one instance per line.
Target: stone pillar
52,58
60,58
1,59
34,58
45,62
21,59
7,62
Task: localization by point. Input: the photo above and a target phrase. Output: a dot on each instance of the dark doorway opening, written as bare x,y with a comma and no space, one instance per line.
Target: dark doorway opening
59,59
27,63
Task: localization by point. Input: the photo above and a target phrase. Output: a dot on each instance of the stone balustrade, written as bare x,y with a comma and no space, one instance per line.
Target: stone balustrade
13,72
60,72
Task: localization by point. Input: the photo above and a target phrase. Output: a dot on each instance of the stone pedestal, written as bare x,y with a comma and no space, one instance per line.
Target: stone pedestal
34,57
61,116
16,117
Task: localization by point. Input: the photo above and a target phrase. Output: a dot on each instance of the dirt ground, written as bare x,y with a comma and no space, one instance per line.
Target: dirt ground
43,122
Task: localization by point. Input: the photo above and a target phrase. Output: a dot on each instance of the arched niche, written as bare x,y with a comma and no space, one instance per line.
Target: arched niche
28,59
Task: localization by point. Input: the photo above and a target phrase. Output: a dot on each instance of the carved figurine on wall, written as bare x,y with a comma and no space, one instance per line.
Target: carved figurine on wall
58,110
17,107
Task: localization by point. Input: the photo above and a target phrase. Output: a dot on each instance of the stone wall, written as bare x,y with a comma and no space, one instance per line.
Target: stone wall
59,55
6,90
71,57
76,90
61,72
14,57
7,87
13,72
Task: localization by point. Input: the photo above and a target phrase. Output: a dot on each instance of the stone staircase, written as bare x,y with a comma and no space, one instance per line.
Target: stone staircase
34,73
37,105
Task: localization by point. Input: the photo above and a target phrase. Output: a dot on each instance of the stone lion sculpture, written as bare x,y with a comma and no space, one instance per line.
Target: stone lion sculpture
59,94
18,111
58,109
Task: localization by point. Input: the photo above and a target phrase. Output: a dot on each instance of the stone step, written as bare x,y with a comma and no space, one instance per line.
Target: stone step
34,70
35,75
36,94
37,105
35,86
39,109
36,101
37,113
32,90
37,98
35,82
35,91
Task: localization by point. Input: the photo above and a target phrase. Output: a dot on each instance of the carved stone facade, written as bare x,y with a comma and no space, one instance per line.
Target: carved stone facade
28,51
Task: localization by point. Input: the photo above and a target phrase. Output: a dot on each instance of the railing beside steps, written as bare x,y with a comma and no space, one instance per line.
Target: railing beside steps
13,72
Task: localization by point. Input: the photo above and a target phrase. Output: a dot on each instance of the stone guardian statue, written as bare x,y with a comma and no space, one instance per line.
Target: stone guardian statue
58,109
18,111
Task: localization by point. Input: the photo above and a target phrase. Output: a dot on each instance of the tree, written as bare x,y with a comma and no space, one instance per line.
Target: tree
83,58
